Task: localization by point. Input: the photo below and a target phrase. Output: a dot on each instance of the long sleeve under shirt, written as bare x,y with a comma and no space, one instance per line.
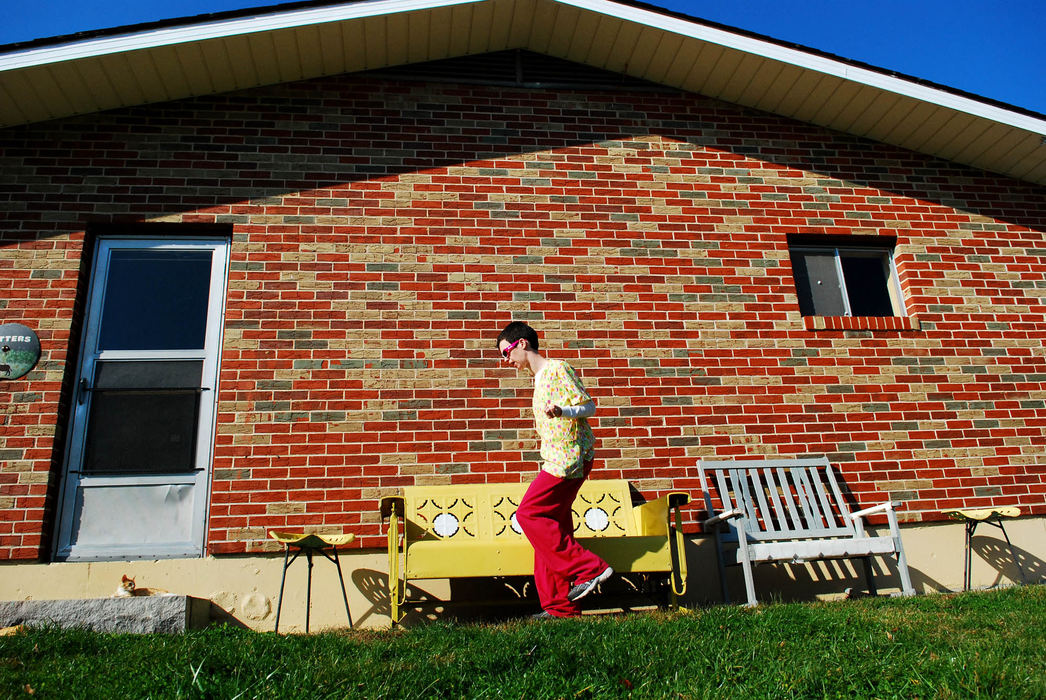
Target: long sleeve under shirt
566,442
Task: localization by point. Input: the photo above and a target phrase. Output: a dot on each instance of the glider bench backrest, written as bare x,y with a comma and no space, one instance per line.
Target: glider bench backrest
789,510
469,530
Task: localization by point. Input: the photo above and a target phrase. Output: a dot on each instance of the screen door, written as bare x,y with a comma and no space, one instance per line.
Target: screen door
138,463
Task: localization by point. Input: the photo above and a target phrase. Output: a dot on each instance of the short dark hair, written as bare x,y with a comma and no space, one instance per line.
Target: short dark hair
516,330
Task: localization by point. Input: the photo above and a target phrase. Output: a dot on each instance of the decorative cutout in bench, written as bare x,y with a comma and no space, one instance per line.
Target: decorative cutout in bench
470,530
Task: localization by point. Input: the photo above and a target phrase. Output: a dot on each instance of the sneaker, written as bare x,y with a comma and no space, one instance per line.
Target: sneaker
546,615
580,590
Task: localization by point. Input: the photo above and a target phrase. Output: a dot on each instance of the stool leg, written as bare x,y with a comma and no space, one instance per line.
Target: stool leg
283,580
344,595
308,591
1012,554
971,525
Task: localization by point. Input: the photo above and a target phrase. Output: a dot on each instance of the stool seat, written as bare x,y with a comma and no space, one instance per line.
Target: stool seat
310,543
985,513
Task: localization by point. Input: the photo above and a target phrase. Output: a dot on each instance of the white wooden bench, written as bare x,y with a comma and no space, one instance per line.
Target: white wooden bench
470,530
789,510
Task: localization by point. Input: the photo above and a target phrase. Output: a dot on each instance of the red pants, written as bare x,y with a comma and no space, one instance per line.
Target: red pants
559,561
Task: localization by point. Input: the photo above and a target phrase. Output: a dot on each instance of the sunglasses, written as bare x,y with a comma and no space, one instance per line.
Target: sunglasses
509,348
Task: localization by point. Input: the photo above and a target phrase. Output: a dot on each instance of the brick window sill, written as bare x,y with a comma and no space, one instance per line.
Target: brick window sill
861,323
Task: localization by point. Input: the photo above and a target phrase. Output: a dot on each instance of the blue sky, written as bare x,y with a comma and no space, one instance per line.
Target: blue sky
990,48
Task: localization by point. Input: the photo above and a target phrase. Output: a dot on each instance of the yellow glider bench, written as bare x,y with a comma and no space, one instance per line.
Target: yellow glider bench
469,530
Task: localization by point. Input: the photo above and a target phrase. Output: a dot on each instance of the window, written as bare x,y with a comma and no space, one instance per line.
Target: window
851,280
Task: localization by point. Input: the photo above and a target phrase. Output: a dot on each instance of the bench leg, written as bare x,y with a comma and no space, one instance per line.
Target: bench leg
394,568
677,555
867,561
722,570
746,564
749,584
902,561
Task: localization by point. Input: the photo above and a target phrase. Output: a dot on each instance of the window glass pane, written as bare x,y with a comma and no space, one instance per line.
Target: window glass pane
156,300
143,417
867,279
817,284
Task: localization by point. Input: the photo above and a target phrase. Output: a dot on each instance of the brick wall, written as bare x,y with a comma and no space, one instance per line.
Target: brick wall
384,233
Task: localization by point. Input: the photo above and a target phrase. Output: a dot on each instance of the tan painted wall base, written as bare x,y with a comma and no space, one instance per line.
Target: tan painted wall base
245,589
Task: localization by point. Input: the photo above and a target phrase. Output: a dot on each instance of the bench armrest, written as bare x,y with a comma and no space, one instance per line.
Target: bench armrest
651,518
882,507
390,505
891,517
722,517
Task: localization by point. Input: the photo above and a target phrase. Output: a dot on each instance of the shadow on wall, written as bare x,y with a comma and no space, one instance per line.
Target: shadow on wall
485,599
785,582
220,616
1017,566
470,599
362,145
498,600
808,581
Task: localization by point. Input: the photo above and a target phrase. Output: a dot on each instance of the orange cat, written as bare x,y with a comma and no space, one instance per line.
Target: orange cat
127,588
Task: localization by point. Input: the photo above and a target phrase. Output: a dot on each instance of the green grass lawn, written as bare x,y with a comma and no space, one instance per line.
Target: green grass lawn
975,645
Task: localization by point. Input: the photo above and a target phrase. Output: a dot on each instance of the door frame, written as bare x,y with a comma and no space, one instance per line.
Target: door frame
73,482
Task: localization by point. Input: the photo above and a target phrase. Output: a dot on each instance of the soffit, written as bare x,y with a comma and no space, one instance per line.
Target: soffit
213,55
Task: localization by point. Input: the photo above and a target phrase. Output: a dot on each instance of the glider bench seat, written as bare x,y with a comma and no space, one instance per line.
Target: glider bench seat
470,530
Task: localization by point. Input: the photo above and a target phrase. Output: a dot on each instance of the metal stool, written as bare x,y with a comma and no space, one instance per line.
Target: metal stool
310,544
991,516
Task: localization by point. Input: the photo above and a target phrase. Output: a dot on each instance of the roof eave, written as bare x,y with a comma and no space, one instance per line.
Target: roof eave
225,53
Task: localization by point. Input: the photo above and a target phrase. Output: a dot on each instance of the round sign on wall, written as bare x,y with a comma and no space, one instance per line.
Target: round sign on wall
19,350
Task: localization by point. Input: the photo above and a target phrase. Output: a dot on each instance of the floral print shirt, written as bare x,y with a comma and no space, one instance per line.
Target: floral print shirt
566,443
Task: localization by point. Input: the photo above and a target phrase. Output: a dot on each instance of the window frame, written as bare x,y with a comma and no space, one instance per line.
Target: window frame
893,283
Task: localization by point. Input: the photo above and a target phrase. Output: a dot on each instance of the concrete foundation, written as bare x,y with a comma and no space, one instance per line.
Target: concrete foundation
142,615
244,589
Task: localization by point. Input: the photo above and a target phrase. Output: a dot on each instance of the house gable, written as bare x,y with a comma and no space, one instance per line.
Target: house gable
218,54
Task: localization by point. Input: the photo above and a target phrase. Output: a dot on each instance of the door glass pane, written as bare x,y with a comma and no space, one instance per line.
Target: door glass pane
867,277
156,300
168,374
127,515
143,418
817,284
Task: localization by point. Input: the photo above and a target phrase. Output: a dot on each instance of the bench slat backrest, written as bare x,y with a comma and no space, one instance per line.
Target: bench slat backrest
782,499
485,512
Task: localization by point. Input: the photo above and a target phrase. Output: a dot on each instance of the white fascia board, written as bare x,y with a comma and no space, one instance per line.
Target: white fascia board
809,61
168,36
